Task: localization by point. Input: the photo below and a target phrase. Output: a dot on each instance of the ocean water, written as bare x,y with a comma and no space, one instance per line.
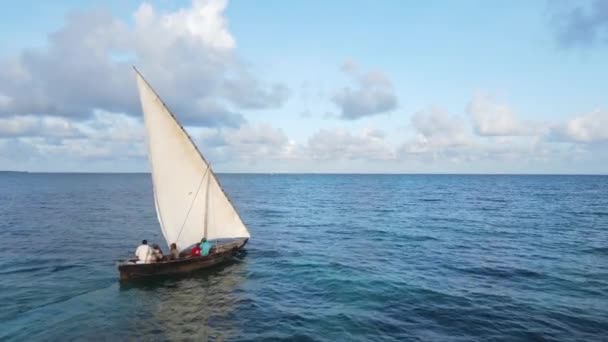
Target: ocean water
332,258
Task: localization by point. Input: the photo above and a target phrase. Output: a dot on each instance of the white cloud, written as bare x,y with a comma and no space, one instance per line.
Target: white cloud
437,131
441,141
587,128
340,144
187,55
373,95
189,58
71,76
205,20
36,126
5,101
263,143
115,127
263,148
494,119
56,143
258,142
249,143
445,139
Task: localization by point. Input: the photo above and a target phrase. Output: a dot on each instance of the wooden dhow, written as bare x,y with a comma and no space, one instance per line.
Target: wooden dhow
189,199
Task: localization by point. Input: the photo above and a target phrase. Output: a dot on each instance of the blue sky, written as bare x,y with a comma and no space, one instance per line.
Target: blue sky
311,86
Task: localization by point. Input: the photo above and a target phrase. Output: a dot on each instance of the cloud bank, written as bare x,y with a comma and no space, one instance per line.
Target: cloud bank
187,55
72,105
495,119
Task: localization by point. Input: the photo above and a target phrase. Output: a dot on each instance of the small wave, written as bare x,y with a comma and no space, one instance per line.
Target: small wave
586,213
24,270
271,212
268,253
421,238
505,273
384,210
374,233
431,200
496,200
63,298
39,268
598,250
64,267
343,266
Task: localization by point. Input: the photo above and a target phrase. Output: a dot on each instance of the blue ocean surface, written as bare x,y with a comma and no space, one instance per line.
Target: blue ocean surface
331,258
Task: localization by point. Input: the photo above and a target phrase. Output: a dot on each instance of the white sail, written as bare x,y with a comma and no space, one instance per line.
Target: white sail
190,202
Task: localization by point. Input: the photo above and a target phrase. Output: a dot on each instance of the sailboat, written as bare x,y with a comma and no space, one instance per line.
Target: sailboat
189,199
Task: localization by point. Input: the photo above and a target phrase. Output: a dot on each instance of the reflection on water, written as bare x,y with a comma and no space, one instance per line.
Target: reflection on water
199,306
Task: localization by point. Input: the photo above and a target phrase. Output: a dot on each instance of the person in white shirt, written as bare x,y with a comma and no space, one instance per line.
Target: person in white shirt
144,253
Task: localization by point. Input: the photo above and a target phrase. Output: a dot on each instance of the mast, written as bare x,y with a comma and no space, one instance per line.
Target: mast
206,208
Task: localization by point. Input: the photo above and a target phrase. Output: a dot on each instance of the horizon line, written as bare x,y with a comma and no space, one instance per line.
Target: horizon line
326,173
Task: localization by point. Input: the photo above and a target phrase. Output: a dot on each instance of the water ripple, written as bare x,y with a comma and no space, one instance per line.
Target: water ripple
332,258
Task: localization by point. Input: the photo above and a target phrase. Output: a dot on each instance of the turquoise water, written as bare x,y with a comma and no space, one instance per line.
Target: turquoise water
332,257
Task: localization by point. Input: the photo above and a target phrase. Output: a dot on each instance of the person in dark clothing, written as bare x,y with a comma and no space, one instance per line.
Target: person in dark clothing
173,253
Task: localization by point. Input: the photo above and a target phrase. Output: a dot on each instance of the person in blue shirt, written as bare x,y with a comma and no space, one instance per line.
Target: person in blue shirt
205,247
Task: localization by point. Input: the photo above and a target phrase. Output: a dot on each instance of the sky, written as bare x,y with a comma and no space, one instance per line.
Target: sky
340,86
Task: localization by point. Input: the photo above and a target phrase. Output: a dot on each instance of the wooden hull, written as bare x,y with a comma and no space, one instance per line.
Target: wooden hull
223,253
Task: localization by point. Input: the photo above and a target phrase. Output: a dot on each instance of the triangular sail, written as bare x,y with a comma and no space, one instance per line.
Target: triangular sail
189,200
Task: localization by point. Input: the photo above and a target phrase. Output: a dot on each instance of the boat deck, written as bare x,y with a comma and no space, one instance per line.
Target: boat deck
220,253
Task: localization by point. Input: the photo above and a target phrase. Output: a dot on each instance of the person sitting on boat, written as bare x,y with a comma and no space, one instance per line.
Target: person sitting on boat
196,250
173,253
144,253
158,253
205,247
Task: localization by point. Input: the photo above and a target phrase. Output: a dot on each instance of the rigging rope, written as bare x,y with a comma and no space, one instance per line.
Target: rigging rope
198,190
